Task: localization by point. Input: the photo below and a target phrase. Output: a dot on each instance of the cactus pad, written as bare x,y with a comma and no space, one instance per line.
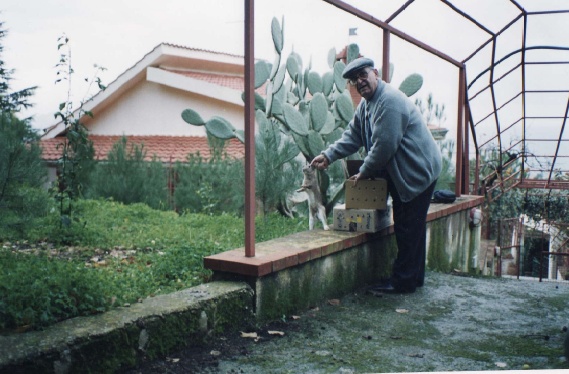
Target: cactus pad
334,135
338,80
315,143
318,111
411,84
192,117
277,33
327,83
240,135
344,107
295,120
329,125
353,52
279,78
314,83
293,67
220,128
331,57
262,72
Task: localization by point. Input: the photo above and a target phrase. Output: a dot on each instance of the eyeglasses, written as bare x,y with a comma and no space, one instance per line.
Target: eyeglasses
362,74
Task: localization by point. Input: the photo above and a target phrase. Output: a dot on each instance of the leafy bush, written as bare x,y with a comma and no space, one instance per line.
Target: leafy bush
211,186
36,291
21,177
127,178
121,254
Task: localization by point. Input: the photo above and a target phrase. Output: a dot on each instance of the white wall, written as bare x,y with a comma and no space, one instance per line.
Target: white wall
153,109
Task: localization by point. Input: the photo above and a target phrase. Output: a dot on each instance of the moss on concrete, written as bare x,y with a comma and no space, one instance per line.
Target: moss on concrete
437,257
300,287
121,337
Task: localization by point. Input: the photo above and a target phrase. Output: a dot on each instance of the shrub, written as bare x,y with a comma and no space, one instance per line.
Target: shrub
211,186
21,177
36,291
127,178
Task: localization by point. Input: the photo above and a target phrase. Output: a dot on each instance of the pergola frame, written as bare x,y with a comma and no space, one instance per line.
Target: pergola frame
465,125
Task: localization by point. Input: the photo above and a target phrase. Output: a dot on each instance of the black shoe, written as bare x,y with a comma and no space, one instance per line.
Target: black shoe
383,287
390,289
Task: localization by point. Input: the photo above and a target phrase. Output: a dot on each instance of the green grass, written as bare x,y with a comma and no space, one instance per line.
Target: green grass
118,254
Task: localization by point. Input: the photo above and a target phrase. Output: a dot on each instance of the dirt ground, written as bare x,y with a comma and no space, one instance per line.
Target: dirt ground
454,323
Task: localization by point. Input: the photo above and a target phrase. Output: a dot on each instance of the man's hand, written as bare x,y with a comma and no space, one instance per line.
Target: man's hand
355,178
320,162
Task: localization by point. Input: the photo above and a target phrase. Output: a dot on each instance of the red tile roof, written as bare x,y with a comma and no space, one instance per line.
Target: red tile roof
225,80
166,148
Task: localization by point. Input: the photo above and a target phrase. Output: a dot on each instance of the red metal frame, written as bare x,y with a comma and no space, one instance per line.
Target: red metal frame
466,126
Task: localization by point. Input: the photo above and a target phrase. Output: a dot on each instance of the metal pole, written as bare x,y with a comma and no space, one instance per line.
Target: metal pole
386,49
459,131
249,128
466,155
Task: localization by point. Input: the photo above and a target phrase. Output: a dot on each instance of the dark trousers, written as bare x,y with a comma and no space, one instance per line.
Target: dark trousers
410,224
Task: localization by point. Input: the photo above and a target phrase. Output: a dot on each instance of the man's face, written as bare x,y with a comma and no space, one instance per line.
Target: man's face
366,81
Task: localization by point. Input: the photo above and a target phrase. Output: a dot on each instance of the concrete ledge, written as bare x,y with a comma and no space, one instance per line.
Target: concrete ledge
300,270
121,337
275,255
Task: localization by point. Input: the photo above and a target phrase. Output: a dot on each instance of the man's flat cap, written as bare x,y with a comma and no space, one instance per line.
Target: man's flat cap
355,65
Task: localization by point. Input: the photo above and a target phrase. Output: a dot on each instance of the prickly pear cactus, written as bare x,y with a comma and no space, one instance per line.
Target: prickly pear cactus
309,108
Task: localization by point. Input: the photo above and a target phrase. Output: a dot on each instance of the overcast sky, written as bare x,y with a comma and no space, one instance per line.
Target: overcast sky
116,34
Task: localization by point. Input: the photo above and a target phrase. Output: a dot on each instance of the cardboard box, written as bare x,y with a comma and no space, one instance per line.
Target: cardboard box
362,220
368,194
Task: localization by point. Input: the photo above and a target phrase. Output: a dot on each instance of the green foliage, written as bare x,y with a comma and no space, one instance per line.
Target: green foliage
411,84
192,117
431,110
308,121
36,291
276,166
22,174
124,253
11,101
534,203
447,175
311,121
126,177
537,204
210,186
77,161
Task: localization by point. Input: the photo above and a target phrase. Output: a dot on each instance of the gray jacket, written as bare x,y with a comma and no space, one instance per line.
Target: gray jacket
396,139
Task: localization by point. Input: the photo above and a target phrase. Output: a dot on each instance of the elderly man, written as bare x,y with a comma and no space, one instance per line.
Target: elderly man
400,149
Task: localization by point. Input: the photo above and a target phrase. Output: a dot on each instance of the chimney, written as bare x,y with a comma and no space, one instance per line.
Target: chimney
356,97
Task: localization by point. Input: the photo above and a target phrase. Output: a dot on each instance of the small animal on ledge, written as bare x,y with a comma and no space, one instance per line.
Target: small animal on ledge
315,207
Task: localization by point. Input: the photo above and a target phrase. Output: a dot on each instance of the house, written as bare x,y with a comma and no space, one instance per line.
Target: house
146,101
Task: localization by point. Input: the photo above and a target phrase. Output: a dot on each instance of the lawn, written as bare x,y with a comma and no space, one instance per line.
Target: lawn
119,254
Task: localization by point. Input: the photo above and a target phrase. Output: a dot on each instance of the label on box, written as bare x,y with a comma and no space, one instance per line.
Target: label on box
364,220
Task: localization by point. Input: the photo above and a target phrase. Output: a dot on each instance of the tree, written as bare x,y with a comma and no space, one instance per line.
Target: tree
21,171
14,101
77,161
